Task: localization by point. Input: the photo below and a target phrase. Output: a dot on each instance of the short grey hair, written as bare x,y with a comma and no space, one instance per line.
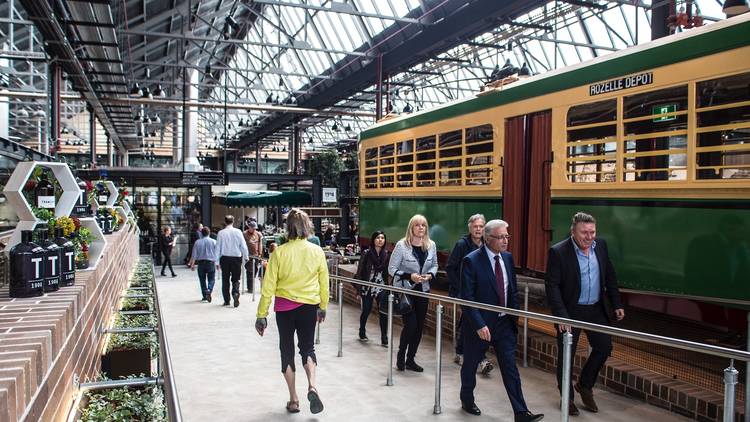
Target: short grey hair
298,224
474,218
494,224
581,217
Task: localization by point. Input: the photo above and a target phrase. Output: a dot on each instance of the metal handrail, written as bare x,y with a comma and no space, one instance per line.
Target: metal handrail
730,374
621,332
167,373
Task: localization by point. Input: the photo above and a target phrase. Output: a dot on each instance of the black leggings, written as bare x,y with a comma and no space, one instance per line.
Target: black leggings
302,320
411,334
167,261
367,301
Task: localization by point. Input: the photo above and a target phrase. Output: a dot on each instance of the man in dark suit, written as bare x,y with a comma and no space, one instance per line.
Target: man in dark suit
580,278
488,276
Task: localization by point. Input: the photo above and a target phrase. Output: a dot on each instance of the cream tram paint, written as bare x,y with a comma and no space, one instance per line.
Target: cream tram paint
687,72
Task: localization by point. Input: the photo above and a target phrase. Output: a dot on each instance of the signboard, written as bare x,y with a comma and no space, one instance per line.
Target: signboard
329,195
627,82
664,108
203,178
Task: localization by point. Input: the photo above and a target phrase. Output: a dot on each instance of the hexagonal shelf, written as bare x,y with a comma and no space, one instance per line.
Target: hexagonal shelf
96,248
14,193
121,212
111,198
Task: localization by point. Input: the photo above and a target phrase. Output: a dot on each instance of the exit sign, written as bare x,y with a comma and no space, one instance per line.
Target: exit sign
665,108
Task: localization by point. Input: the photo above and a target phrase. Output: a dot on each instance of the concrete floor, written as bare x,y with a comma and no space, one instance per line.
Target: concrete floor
225,372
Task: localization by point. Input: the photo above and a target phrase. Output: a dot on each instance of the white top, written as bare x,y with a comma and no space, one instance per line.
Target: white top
230,242
491,256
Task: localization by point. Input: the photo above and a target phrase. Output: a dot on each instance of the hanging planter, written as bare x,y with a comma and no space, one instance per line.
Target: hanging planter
130,354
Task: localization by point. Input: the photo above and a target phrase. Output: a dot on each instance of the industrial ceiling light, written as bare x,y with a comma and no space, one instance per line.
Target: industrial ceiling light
159,92
135,91
147,120
335,127
408,108
524,71
231,22
735,7
137,117
156,119
147,93
269,99
265,156
281,82
22,113
39,114
347,128
310,141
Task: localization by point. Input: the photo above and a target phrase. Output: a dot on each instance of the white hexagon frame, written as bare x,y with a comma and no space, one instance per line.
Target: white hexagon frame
111,199
14,193
121,211
96,248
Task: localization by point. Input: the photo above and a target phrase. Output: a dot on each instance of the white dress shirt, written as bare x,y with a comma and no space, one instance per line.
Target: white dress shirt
230,242
491,255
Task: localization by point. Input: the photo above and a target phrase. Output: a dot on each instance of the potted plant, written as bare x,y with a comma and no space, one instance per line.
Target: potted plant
130,354
137,303
123,404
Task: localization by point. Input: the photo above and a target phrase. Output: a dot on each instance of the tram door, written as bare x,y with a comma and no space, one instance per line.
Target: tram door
526,165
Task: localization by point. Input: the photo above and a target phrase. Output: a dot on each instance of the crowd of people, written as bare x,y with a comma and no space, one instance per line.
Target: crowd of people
580,284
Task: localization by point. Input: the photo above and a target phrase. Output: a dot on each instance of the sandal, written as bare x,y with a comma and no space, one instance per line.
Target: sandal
292,406
316,406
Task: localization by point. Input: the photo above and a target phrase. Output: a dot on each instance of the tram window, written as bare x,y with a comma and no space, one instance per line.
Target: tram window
426,143
386,161
726,90
371,182
450,164
425,180
592,162
405,147
450,139
479,176
426,156
404,180
450,152
371,172
386,170
408,167
598,112
386,181
640,166
724,116
371,153
426,166
655,102
597,132
651,126
724,154
371,163
450,177
478,161
405,158
479,134
479,149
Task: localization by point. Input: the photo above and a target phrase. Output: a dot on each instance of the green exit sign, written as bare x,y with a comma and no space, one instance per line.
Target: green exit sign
665,108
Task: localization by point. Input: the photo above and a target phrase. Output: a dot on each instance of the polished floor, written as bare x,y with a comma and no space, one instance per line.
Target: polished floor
225,372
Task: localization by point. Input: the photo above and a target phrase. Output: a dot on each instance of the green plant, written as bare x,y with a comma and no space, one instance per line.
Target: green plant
328,165
125,405
130,341
137,303
43,214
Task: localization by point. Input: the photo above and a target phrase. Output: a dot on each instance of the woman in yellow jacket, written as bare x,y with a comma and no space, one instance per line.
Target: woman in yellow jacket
297,277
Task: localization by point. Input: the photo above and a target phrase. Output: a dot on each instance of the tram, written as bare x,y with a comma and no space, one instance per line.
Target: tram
654,141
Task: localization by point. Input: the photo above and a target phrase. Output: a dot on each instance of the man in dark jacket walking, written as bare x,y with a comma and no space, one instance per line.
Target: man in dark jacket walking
467,244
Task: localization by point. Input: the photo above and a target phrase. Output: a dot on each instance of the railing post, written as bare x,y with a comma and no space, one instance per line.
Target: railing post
526,326
251,283
438,356
389,380
340,294
730,382
453,326
565,387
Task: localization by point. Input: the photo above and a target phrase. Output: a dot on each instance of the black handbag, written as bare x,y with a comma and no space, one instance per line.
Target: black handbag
401,303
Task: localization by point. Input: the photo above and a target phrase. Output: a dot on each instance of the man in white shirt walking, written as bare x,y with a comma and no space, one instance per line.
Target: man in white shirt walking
231,253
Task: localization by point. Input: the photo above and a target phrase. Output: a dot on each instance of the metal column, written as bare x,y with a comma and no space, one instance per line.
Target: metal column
437,409
565,387
730,383
389,380
340,294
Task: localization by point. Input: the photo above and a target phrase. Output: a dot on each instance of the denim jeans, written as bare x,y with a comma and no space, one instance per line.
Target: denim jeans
206,276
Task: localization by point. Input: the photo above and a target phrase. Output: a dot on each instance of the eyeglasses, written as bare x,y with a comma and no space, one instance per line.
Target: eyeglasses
501,237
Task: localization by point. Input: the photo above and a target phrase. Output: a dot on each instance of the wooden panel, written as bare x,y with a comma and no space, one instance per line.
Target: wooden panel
514,185
538,234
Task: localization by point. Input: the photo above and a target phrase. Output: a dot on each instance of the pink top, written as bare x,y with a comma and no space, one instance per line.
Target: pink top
282,304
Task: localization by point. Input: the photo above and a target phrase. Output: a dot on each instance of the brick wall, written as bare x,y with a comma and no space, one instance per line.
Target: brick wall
45,340
619,377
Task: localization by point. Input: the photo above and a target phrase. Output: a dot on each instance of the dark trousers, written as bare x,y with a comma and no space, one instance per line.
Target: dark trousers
367,301
206,276
302,320
601,345
167,261
503,339
250,274
411,334
231,267
460,335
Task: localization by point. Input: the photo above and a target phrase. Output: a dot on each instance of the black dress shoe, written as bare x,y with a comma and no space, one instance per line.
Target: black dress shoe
400,365
208,298
384,341
528,417
236,297
587,397
412,366
471,408
226,304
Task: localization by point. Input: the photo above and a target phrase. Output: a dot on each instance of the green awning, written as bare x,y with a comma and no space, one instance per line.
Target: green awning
263,198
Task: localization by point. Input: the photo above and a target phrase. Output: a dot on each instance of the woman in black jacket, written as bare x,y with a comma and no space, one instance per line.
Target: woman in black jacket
373,267
167,242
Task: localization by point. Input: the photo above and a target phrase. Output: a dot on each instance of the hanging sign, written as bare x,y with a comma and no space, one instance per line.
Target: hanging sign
627,82
329,195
